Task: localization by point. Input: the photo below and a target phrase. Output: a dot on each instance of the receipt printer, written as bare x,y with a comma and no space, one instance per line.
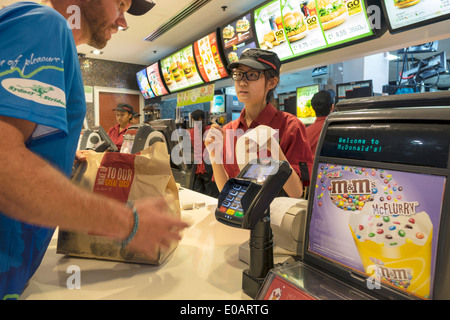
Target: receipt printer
289,229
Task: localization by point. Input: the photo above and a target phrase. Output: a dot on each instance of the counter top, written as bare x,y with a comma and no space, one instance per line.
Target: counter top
204,266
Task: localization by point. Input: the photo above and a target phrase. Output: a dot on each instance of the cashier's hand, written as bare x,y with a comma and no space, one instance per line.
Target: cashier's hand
156,228
214,143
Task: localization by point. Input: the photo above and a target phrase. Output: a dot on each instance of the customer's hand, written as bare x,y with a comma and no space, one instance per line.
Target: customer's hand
157,229
82,154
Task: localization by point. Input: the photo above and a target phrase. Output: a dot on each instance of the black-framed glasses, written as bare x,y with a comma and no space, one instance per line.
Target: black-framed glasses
249,75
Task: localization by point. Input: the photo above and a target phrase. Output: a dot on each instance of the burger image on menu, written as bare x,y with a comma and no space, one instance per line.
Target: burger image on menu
175,71
228,32
295,26
332,13
167,78
405,3
233,56
187,69
242,25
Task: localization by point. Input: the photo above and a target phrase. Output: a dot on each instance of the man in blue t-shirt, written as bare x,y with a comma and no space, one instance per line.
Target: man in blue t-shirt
42,108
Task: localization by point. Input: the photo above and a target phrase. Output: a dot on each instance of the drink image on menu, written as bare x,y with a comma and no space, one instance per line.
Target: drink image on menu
405,3
308,8
332,13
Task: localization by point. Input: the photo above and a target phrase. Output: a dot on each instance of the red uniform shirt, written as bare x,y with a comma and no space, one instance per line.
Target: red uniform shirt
291,135
313,132
116,135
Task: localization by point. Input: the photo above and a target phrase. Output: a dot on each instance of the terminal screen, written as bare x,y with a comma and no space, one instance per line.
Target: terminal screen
380,223
259,173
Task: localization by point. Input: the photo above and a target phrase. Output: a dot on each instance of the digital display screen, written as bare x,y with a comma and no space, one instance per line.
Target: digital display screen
380,223
304,109
208,59
180,71
293,28
356,89
144,85
407,14
155,80
414,144
218,104
237,36
259,173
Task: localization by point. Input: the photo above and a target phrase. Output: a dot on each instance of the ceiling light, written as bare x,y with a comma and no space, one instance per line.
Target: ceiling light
97,52
392,57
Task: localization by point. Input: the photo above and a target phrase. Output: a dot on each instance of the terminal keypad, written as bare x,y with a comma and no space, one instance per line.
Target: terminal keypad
232,203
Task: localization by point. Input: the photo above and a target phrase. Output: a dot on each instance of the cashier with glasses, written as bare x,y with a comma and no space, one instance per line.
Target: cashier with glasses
256,75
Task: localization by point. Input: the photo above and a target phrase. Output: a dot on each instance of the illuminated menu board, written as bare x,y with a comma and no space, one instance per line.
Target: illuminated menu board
208,58
144,85
293,28
237,36
407,14
304,108
180,71
155,80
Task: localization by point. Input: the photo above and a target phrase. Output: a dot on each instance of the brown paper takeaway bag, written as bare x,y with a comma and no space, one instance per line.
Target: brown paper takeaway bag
123,177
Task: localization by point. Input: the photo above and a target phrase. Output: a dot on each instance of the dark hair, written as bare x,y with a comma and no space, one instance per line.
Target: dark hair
198,114
321,102
270,74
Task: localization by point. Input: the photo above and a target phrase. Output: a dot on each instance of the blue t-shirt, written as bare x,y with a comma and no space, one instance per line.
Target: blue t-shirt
40,81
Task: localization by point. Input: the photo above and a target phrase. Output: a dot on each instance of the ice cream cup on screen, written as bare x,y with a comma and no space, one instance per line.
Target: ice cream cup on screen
395,248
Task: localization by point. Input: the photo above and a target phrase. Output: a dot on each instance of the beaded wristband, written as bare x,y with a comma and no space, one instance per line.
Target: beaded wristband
135,227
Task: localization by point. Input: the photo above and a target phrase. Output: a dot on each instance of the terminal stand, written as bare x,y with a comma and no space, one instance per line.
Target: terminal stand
244,202
261,256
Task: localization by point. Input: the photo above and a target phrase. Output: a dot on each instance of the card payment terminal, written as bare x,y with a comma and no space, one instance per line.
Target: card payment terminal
244,203
245,199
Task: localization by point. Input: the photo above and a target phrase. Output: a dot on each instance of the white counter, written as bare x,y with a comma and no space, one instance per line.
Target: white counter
204,266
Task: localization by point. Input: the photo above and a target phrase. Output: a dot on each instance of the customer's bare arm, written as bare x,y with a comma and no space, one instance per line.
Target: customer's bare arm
35,192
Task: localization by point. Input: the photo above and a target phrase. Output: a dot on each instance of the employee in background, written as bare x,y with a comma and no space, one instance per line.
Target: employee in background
124,114
201,173
256,75
39,136
136,118
323,104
